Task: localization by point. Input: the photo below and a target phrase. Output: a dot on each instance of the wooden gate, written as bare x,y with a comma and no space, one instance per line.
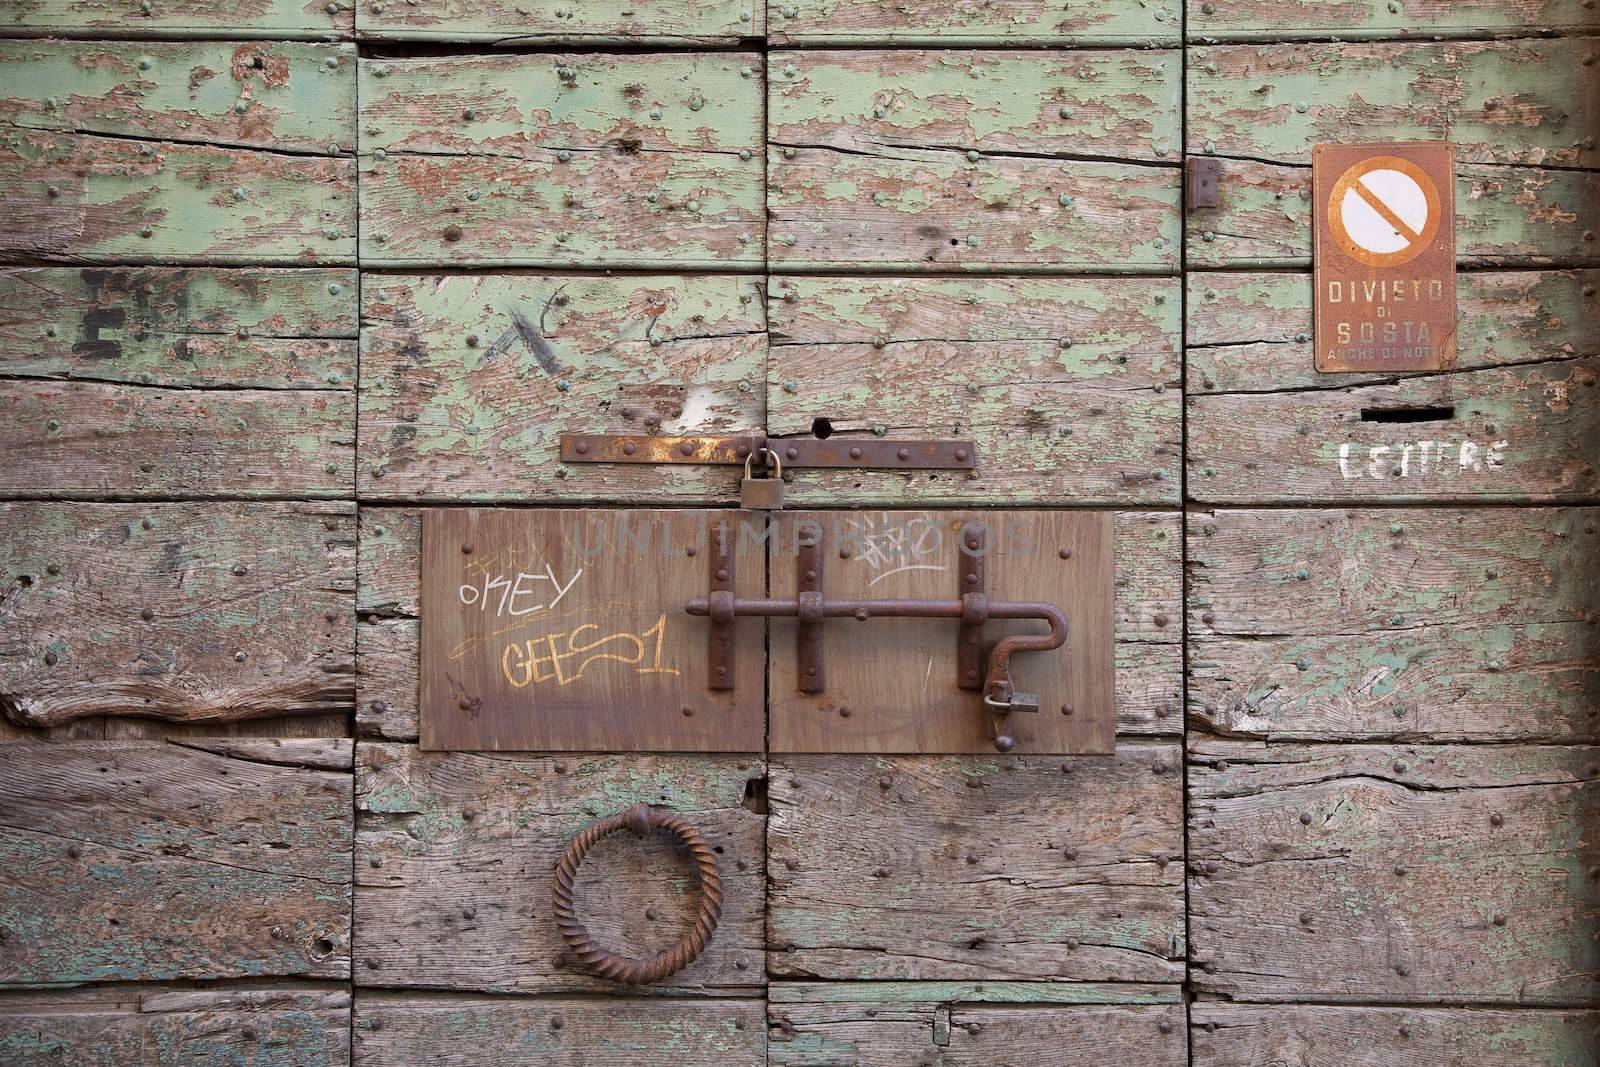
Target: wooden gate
281,276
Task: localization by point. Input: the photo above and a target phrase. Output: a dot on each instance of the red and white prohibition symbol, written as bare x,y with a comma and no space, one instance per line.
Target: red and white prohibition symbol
1384,211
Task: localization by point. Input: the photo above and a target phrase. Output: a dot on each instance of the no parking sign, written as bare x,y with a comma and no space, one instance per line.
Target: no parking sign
1384,257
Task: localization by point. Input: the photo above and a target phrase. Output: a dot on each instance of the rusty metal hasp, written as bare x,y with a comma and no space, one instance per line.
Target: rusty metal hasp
971,606
795,452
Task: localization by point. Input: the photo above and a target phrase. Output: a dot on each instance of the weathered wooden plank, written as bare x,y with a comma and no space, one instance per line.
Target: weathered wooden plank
179,18
1505,216
112,1026
468,382
970,867
1303,1035
1069,387
87,439
630,22
1245,20
894,193
88,199
1253,332
455,853
150,861
1517,433
1261,108
1105,104
857,1025
1442,625
1384,872
180,327
514,105
918,209
274,95
185,612
951,993
987,22
1148,651
1528,102
564,160
457,1031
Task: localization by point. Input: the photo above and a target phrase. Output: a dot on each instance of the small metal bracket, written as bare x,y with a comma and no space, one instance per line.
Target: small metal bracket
1205,174
971,606
856,452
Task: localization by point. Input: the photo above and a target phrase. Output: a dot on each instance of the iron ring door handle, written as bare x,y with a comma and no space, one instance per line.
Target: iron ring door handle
639,819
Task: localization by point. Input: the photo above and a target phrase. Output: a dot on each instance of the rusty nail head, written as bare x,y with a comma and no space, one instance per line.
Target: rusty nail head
686,448
1065,553
582,448
466,550
452,232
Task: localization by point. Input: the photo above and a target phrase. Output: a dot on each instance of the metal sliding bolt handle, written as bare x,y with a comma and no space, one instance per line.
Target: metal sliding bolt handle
640,819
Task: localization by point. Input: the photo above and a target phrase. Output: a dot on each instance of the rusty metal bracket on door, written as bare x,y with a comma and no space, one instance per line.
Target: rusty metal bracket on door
796,452
971,606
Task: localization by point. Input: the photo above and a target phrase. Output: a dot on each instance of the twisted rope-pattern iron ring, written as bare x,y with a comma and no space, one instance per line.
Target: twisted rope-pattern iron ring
640,819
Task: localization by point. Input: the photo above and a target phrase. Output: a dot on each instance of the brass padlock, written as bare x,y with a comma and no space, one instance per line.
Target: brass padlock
762,494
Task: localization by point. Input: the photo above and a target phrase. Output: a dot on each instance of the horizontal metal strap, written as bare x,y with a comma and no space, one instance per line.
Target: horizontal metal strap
875,453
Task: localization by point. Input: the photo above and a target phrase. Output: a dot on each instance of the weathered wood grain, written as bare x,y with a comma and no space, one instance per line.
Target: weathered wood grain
274,95
628,22
1261,108
1505,217
934,183
929,22
455,853
1432,624
180,327
1384,872
1068,387
113,1026
1253,332
150,861
514,105
89,439
183,612
850,1024
972,867
919,209
564,160
468,382
1526,102
1303,1035
1516,433
179,18
1244,20
94,199
394,1030
1105,104
1148,596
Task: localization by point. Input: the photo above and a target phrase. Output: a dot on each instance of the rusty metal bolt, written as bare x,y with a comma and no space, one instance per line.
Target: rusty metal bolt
452,232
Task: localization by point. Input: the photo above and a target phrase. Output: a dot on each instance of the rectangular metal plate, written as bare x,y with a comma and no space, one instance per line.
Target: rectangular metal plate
1384,256
869,452
892,683
565,630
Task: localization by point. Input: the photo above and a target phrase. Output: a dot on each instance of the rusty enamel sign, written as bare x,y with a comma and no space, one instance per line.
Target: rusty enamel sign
565,630
1384,257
